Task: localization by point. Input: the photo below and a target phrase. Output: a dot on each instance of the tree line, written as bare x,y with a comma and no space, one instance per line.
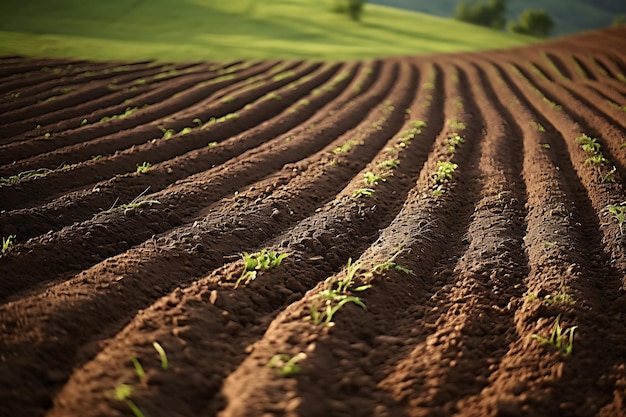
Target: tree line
492,14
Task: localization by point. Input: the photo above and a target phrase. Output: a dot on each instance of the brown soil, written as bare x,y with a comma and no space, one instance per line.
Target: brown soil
273,155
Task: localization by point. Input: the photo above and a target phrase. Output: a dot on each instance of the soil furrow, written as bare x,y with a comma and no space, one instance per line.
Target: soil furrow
143,112
210,236
81,205
523,381
82,243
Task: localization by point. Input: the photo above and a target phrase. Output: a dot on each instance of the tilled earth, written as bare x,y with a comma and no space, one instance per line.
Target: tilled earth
332,164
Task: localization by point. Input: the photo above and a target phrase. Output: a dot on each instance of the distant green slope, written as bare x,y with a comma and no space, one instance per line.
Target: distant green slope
174,30
570,16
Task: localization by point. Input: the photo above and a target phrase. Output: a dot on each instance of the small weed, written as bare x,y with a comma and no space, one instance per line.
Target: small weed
372,179
559,337
454,141
135,202
83,122
143,168
597,160
367,192
589,145
545,145
197,121
212,144
7,243
619,212
389,164
285,365
257,262
127,112
539,126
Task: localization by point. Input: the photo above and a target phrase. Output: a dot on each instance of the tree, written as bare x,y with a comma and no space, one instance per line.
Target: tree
490,14
352,8
534,23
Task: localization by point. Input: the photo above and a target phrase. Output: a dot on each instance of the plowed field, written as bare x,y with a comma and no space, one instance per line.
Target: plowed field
476,199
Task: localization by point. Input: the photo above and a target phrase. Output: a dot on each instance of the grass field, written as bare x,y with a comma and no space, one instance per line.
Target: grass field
206,30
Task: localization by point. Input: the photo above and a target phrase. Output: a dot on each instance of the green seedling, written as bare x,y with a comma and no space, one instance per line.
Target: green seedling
589,145
346,147
84,122
545,145
212,144
597,160
283,75
456,125
609,176
619,212
560,297
442,175
127,112
25,175
539,126
197,121
559,337
162,355
138,368
135,202
143,168
328,302
389,163
253,263
369,178
96,157
122,393
454,141
273,96
617,106
7,243
285,365
363,192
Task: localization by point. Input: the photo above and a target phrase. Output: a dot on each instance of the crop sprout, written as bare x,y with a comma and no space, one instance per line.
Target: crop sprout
456,125
346,146
7,243
135,202
143,168
619,213
559,337
369,178
253,263
454,141
25,175
592,147
442,176
162,355
286,366
363,192
389,163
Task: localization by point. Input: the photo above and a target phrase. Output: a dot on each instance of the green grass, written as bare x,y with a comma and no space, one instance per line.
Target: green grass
7,243
559,337
285,365
188,30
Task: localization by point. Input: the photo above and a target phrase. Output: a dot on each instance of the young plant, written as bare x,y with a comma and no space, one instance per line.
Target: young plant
143,168
372,179
25,175
162,355
619,212
389,163
122,393
135,202
328,302
363,192
258,262
7,243
443,175
346,147
559,337
454,141
456,125
285,365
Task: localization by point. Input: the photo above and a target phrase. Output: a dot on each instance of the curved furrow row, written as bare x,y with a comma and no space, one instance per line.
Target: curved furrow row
145,110
333,367
226,143
246,325
149,148
208,237
83,243
119,95
559,264
47,102
449,364
603,186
